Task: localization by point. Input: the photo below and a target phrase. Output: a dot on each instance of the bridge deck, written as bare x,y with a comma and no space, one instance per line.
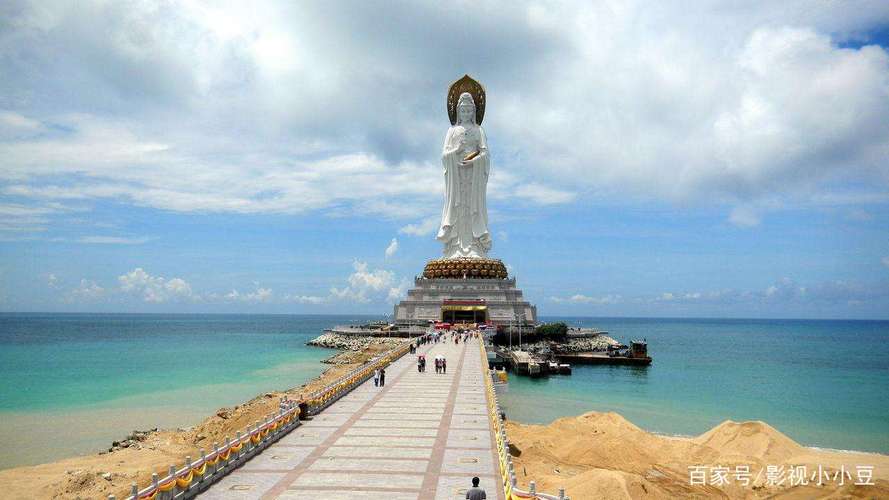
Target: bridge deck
422,436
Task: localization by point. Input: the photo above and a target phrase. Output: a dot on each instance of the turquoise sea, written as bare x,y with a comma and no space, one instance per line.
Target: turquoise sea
72,383
823,383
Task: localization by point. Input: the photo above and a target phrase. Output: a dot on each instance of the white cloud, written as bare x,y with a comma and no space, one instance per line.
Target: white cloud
543,195
86,291
155,289
392,248
586,299
304,299
885,261
397,293
259,295
423,228
365,284
228,109
16,126
52,281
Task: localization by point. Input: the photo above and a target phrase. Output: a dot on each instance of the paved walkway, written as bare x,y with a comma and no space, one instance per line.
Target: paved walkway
423,436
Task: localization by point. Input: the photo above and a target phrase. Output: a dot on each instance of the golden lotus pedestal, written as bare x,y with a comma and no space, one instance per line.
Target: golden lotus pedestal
465,268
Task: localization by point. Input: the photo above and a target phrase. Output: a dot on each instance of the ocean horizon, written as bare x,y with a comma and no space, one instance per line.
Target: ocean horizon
70,383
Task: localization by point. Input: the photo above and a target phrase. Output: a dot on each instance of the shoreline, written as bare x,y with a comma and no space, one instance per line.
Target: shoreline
99,474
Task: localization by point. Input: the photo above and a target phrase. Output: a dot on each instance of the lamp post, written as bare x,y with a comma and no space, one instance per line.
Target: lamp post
521,320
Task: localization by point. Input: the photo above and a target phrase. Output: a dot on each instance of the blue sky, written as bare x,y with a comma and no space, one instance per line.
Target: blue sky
648,159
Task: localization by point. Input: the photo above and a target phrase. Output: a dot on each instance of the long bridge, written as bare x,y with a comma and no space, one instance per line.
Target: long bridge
421,436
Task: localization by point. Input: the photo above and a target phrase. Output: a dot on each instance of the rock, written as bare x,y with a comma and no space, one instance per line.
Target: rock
224,413
349,342
107,476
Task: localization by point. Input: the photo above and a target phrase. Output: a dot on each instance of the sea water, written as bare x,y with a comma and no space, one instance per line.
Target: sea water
72,383
823,383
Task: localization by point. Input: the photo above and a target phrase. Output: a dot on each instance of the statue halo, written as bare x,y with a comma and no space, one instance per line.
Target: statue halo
474,88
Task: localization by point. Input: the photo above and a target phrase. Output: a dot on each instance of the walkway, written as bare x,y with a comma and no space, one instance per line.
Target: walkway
423,436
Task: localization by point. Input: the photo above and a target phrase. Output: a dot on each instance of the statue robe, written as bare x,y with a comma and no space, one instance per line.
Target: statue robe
464,219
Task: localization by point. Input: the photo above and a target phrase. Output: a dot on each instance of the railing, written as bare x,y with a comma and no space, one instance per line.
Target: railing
196,476
507,471
333,391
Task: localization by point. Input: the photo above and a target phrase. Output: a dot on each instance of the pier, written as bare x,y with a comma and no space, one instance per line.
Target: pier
423,435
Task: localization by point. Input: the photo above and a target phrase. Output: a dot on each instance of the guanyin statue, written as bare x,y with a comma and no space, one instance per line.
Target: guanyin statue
464,219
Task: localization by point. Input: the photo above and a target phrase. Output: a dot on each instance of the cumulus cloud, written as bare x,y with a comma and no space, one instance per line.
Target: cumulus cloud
225,107
259,295
397,293
154,289
425,227
366,285
86,291
304,299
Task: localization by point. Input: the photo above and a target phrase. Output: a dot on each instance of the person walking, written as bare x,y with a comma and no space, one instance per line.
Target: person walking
444,365
420,364
382,377
377,377
476,493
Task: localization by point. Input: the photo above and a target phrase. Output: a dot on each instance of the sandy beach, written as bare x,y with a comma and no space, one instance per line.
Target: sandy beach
603,455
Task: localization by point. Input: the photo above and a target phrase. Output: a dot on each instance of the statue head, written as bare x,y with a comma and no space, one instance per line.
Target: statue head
465,109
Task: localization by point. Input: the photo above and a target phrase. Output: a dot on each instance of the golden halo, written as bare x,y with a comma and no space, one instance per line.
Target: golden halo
466,84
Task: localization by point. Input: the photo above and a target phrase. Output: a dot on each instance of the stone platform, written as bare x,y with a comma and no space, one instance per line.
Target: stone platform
422,436
502,301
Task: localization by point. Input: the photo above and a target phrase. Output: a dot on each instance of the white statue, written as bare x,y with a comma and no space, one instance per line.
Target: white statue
464,220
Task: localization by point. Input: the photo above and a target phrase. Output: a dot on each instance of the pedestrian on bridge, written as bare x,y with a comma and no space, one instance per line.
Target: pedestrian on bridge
377,377
382,377
476,493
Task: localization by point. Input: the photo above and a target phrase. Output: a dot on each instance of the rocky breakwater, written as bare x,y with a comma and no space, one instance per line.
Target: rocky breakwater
351,344
546,348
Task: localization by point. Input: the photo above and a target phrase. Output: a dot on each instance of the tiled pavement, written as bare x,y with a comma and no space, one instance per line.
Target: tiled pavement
423,436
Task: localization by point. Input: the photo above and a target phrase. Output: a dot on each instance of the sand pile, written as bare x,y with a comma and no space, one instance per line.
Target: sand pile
602,455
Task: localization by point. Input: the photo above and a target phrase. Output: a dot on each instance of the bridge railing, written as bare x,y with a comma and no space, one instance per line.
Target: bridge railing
326,396
507,470
196,476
